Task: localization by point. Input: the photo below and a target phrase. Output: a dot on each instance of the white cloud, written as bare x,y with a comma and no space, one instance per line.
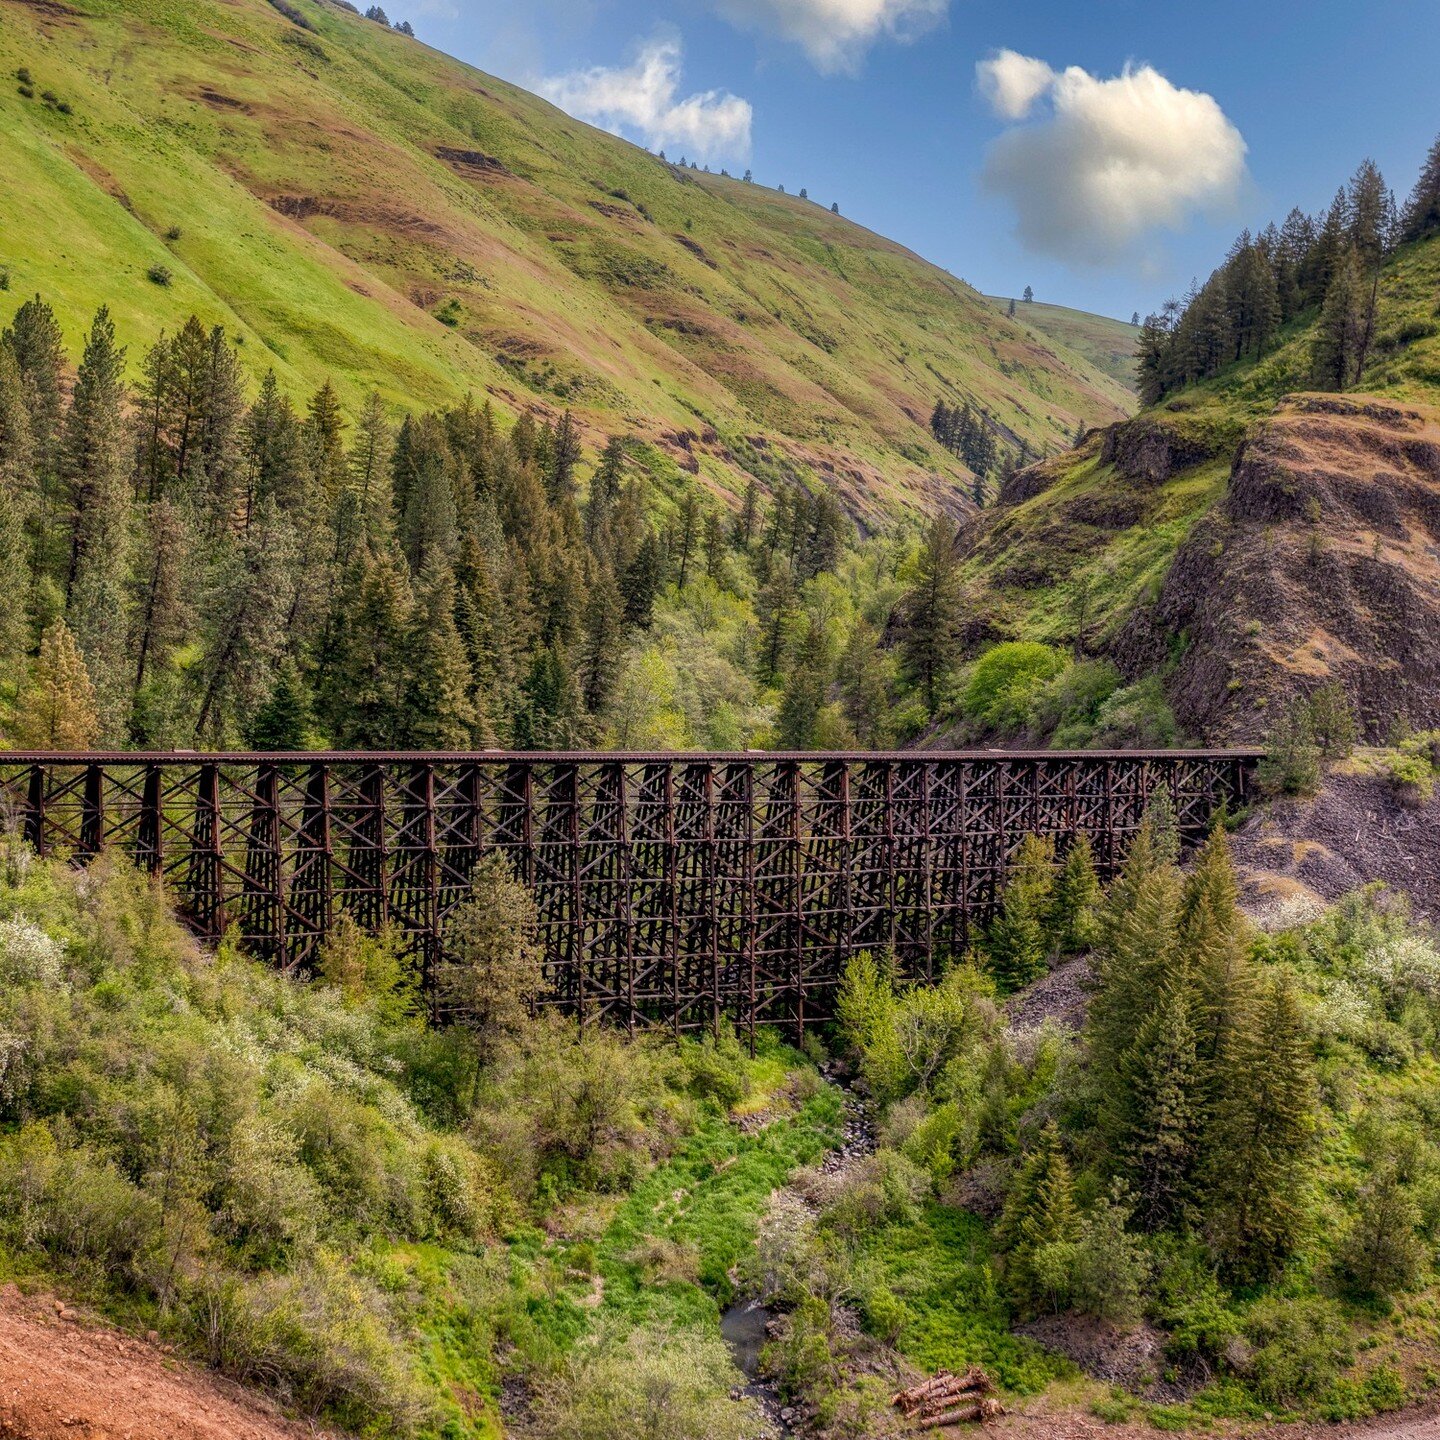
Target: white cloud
1012,83
1113,159
641,100
835,33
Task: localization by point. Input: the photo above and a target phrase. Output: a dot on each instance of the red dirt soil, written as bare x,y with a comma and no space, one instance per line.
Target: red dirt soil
63,1377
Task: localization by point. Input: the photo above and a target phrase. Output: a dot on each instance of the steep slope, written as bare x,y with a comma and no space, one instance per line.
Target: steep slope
353,204
1246,538
1108,345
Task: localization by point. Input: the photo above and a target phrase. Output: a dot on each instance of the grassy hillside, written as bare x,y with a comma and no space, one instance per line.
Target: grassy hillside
352,204
1082,549
1107,345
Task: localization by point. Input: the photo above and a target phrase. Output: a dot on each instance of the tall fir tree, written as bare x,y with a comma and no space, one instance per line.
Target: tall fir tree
1154,1114
438,707
1263,1131
59,712
932,611
97,484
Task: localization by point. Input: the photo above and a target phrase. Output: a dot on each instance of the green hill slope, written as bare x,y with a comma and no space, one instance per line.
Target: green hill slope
352,204
1105,344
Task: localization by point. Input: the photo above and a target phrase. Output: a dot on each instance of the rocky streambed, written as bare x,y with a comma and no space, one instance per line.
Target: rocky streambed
747,1326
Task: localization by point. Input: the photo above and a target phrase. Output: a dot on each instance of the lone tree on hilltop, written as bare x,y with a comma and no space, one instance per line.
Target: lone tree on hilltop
1029,294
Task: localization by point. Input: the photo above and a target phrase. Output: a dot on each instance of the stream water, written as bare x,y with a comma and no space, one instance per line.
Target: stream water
743,1325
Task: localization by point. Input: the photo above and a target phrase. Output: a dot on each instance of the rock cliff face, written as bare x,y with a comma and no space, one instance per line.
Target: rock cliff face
1321,562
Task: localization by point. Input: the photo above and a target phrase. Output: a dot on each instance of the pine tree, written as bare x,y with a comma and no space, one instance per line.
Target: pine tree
363,688
777,605
564,456
35,343
1029,294
1133,958
426,496
643,581
271,441
1155,1110
1262,1133
161,609
323,441
438,713
803,697
244,609
282,723
1075,906
60,711
1422,211
1337,351
605,488
1369,210
1213,944
94,471
1382,1252
602,645
549,718
1039,1212
18,499
864,676
369,479
1018,942
932,610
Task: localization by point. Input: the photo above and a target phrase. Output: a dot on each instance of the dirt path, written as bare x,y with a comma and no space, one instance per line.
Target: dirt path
64,1377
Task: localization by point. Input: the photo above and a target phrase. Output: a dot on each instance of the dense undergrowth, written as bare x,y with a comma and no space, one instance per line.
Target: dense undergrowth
388,1223
309,1188
1235,1151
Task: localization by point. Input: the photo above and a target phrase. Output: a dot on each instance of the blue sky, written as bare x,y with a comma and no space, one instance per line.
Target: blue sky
1101,188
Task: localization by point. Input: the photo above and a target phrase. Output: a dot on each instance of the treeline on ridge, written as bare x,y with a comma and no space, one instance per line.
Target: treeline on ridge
189,566
1330,261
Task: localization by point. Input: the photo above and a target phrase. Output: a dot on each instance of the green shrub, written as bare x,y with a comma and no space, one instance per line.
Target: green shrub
1137,716
1006,680
879,1189
651,1382
319,1335
159,275
1291,764
1299,1345
1068,707
717,1069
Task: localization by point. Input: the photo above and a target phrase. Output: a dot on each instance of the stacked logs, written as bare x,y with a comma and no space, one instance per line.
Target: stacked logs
948,1399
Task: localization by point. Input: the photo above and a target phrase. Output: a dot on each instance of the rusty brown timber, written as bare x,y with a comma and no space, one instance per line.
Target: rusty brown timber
672,888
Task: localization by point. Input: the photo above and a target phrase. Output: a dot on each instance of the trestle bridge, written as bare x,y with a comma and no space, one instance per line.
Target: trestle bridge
672,889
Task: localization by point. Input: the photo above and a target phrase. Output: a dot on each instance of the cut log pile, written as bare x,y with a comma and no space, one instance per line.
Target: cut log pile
948,1399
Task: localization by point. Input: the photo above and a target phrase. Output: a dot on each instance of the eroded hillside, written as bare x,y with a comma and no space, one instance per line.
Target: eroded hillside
1248,539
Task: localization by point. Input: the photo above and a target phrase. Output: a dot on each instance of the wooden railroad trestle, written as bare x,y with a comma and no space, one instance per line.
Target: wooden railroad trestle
672,888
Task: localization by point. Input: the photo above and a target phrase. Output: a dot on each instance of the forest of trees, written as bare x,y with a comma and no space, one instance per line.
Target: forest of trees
192,566
1331,262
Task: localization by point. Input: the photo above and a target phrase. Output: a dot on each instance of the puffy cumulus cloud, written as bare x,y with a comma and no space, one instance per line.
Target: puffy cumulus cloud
1012,83
1110,161
642,99
835,33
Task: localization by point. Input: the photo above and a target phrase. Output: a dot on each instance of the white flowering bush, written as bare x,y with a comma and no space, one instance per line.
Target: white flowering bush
28,956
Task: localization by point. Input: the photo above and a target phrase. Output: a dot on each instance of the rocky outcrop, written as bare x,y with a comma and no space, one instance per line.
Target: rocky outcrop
1322,563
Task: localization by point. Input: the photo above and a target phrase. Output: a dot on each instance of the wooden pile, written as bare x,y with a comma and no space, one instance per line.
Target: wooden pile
948,1399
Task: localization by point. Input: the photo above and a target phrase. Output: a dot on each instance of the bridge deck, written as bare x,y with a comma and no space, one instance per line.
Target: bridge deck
672,888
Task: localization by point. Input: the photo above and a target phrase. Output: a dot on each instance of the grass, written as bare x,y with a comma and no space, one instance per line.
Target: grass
954,1315
360,207
1108,345
543,1290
